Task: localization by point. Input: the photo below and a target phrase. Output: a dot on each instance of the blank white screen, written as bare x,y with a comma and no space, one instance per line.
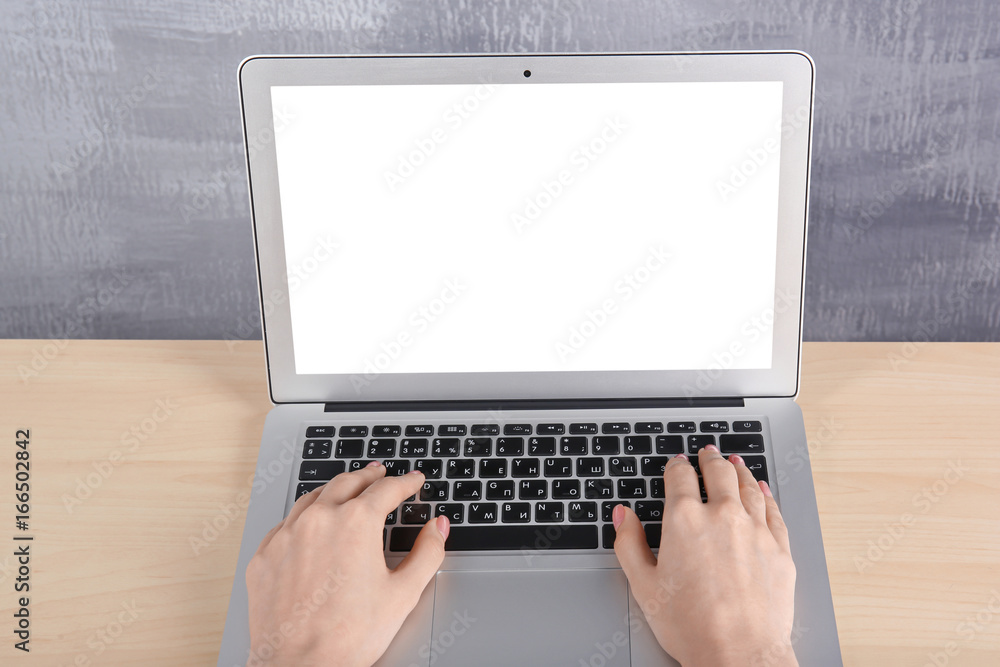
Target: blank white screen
517,227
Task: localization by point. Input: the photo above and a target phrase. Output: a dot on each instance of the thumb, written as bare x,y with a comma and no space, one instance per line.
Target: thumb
424,558
633,551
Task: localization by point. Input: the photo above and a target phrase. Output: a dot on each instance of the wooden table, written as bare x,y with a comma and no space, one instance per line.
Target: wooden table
140,450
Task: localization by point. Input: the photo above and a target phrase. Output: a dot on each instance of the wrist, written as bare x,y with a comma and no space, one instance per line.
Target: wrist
774,654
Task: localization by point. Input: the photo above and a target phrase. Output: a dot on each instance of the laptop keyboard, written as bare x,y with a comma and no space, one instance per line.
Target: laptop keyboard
525,486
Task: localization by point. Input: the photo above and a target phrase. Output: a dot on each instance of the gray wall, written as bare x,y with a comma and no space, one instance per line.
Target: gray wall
123,195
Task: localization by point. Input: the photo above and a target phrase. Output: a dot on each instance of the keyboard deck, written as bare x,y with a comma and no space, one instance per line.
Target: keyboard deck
534,486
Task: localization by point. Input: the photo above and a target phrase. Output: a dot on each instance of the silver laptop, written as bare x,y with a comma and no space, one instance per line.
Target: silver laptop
535,278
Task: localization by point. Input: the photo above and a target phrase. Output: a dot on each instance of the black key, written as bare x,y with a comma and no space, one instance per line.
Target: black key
715,427
305,487
460,468
616,428
482,513
353,431
485,429
652,466
413,448
416,513
649,510
454,511
747,427
320,431
609,535
320,470
638,444
681,427
572,445
432,490
533,489
420,429
517,429
350,449
656,488
492,468
582,511
430,467
566,488
451,429
515,512
608,507
387,431
500,490
758,466
390,518
503,538
525,468
380,448
583,429
396,467
466,490
750,442
385,533
550,512
607,444
550,429
478,446
598,488
357,464
670,444
317,449
649,427
510,446
590,467
696,442
558,467
541,446
446,447
620,466
632,488
653,532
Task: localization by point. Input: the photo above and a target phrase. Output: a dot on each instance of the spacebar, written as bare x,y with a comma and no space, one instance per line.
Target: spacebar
503,538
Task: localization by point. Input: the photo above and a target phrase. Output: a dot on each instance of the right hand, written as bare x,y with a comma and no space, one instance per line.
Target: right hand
722,591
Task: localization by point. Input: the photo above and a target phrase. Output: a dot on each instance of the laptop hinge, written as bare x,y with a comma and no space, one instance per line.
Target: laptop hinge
533,404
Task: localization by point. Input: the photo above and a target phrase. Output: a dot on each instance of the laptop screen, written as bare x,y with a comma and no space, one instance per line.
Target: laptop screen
521,227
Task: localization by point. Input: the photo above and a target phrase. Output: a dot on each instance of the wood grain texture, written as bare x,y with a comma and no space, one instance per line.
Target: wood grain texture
123,192
885,423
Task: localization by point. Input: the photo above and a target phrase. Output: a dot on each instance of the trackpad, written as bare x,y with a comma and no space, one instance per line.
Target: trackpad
565,617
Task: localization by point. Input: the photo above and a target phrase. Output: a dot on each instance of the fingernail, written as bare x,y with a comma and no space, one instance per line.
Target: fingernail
618,515
711,448
414,472
372,464
736,459
683,457
443,526
765,488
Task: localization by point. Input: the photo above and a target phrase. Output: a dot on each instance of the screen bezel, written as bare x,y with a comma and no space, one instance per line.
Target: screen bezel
794,69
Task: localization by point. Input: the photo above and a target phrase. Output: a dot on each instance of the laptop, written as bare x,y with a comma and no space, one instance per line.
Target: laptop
534,277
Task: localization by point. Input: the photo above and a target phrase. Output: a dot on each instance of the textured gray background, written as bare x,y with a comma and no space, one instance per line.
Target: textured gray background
123,195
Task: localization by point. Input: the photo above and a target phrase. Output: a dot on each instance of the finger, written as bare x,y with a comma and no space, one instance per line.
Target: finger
750,493
424,558
720,477
774,521
680,483
386,494
348,485
633,551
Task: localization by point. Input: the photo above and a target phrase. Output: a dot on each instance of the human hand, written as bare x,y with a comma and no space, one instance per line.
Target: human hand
721,591
319,589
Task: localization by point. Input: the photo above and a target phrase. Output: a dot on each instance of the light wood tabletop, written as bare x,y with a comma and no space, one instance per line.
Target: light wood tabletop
140,451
